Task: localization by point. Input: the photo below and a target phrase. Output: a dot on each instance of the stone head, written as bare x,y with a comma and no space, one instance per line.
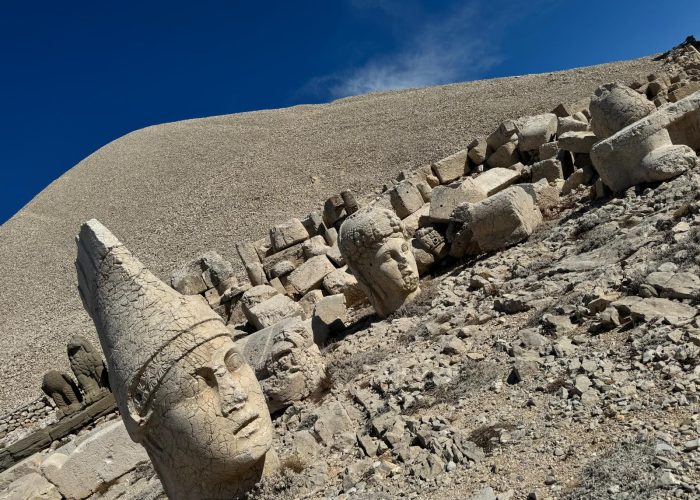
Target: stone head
373,243
182,386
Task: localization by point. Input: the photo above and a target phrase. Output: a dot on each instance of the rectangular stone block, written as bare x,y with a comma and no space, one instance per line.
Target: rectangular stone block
417,219
577,142
494,180
405,199
294,254
273,310
477,151
505,156
310,275
287,234
451,168
446,198
550,170
263,247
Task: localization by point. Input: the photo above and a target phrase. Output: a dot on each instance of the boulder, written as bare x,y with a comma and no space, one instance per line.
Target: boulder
504,219
549,150
615,106
658,147
315,246
533,131
644,309
544,194
682,285
102,456
310,274
449,169
549,169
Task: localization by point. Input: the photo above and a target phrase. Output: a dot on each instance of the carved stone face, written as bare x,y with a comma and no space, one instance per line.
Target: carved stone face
210,409
381,259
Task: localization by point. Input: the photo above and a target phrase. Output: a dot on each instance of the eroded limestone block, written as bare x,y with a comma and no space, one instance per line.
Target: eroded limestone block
547,169
330,315
272,310
88,367
419,218
287,234
62,390
451,168
446,198
315,246
477,151
287,362
505,156
183,388
33,486
310,274
504,219
343,281
658,147
577,142
506,132
533,131
376,250
615,106
570,124
494,180
405,199
544,194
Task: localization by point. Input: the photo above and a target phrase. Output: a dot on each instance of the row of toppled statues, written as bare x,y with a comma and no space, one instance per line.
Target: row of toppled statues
186,391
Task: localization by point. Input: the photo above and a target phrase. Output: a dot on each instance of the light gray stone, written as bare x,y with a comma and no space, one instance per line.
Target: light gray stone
451,168
446,198
643,309
287,234
533,131
615,106
310,274
550,170
506,132
577,142
272,311
682,285
505,156
344,282
33,486
405,198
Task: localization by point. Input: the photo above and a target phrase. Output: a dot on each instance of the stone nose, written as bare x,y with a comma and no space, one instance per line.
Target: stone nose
232,397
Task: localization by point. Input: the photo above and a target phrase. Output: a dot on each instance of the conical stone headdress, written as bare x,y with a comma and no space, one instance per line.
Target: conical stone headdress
145,327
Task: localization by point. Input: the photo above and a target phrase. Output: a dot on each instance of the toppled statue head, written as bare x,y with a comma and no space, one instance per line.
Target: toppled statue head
373,243
182,386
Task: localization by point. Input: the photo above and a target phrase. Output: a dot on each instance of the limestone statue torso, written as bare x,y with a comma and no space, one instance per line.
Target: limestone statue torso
372,242
182,386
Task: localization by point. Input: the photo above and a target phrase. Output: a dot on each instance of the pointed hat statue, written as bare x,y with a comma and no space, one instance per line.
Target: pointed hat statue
182,387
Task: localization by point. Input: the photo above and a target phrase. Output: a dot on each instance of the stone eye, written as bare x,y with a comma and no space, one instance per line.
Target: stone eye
404,247
386,257
233,360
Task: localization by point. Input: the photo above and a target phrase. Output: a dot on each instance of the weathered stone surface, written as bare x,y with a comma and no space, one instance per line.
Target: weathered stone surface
287,234
309,301
446,198
33,486
101,457
680,285
658,147
375,248
282,268
505,156
570,124
333,210
310,274
533,131
88,367
286,361
405,199
577,142
349,202
506,132
450,168
494,180
547,169
330,312
417,219
343,281
544,195
188,279
315,246
549,150
183,388
615,106
294,254
495,223
643,309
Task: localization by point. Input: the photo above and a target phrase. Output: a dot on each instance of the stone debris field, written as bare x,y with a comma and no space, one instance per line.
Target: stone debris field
519,319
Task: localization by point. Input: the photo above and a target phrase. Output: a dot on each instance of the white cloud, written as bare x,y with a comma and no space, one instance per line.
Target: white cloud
438,52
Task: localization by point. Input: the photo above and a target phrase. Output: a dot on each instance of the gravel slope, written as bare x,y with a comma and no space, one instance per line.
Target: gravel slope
171,191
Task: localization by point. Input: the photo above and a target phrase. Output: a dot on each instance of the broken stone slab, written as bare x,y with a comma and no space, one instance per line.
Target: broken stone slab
188,279
315,246
495,179
505,156
344,282
287,234
32,486
682,285
405,199
451,168
446,198
104,455
615,106
684,91
577,142
264,308
533,131
549,169
544,194
417,219
658,147
294,254
263,247
504,219
576,179
333,210
313,222
548,150
644,309
309,301
335,256
310,274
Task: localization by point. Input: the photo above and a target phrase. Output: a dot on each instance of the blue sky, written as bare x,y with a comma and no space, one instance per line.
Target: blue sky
76,75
